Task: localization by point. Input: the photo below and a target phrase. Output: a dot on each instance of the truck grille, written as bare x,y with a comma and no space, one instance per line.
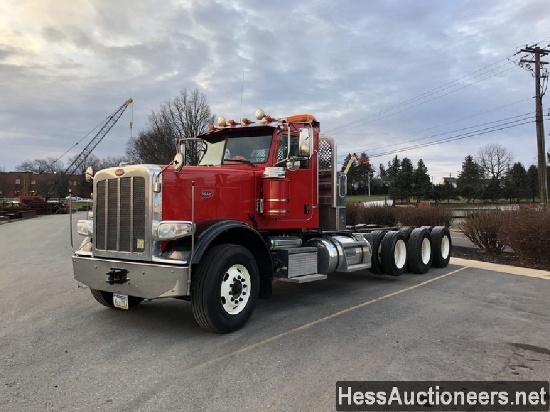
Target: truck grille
120,214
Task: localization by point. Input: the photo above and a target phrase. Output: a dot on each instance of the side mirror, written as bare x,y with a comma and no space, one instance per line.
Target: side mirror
178,161
305,142
179,158
89,173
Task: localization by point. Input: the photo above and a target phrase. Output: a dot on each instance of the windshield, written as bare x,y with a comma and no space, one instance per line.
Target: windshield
231,149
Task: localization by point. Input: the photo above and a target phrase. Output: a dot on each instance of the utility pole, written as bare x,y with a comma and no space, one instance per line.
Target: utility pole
536,53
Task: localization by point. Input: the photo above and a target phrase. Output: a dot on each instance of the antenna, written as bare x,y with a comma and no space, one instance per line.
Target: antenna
242,90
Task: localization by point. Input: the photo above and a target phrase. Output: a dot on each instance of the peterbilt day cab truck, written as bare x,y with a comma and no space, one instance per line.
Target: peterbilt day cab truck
265,202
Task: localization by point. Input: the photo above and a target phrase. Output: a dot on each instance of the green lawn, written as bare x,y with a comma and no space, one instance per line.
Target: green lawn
366,198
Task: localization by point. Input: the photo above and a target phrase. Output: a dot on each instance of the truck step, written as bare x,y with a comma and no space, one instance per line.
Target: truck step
359,266
304,278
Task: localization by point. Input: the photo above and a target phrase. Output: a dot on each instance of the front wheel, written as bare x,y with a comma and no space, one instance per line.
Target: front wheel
225,288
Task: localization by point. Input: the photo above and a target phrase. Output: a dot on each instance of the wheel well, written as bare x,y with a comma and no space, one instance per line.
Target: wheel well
251,240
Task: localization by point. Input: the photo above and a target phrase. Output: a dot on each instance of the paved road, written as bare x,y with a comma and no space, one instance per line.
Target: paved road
60,350
459,239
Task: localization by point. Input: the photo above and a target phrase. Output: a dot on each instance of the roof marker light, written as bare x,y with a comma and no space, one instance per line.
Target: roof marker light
259,114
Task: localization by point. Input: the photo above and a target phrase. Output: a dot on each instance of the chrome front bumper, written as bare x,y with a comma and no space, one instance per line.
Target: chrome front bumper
145,280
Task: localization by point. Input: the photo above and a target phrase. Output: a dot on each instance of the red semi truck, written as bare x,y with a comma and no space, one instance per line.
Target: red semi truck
265,202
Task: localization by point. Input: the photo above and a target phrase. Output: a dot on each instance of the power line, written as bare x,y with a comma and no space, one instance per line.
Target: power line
425,97
441,125
454,138
438,90
522,117
502,125
506,120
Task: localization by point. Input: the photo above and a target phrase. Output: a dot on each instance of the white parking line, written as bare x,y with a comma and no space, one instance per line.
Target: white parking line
311,324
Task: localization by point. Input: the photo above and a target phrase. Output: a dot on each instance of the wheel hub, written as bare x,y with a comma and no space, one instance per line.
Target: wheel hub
235,289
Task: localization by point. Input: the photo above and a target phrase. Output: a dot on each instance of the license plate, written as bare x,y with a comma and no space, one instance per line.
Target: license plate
120,301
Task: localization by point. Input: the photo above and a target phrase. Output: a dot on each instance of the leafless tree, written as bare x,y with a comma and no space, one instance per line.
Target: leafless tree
49,165
97,164
494,160
185,116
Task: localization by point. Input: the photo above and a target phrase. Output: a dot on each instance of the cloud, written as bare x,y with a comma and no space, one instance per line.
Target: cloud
65,68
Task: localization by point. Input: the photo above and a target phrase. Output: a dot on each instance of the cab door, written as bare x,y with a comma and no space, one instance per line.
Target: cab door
301,177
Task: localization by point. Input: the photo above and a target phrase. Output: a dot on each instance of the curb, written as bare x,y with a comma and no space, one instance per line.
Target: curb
512,270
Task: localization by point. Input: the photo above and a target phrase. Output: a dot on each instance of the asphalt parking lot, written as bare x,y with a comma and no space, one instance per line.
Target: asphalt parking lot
61,350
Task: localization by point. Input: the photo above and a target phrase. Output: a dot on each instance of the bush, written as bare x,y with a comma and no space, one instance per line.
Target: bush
391,216
353,211
527,232
483,229
429,216
378,215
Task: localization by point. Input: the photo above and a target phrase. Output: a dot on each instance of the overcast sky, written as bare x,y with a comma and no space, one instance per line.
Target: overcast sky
379,75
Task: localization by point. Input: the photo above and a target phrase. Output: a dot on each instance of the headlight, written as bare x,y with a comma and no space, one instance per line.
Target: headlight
173,230
85,227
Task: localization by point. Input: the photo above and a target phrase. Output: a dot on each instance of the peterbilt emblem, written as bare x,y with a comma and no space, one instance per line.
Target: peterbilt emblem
206,193
119,172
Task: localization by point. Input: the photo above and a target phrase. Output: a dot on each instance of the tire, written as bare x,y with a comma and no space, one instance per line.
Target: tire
106,298
441,246
419,251
376,244
224,288
394,253
406,230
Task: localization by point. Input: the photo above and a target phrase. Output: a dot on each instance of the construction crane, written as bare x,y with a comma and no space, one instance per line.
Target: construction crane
83,155
108,125
354,158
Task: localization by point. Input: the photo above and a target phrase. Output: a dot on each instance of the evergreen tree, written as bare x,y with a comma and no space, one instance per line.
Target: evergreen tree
405,179
392,173
364,172
422,186
358,174
382,171
446,191
533,182
493,190
516,183
470,179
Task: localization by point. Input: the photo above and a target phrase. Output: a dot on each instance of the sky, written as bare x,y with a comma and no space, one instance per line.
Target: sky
381,76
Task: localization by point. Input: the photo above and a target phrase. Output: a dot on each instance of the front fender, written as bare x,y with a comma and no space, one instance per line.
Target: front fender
216,232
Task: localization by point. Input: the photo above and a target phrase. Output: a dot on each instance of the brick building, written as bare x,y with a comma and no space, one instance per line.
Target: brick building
15,184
